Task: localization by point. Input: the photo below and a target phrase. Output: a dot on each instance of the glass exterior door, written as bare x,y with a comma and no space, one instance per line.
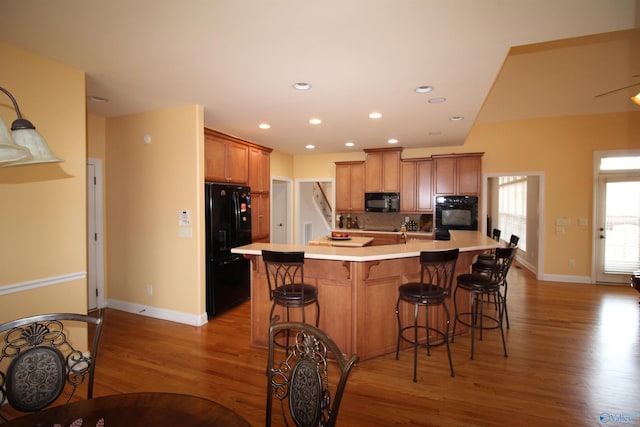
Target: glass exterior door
618,228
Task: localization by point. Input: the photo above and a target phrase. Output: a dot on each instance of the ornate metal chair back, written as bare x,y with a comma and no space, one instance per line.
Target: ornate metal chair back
307,382
38,359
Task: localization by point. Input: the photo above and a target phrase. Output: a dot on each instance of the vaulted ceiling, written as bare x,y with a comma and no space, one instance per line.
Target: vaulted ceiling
490,60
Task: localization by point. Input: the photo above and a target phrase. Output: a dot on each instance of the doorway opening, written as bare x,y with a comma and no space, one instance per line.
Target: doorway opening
531,206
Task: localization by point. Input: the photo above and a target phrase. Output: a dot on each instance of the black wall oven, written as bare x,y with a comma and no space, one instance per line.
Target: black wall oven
456,212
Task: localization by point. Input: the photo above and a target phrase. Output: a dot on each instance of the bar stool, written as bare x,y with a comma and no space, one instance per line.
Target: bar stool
436,277
285,276
480,286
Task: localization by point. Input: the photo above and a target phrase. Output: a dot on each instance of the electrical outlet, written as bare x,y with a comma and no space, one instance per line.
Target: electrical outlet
572,263
149,289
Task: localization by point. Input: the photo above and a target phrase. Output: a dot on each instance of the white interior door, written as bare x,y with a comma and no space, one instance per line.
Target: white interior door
617,240
280,206
92,282
95,240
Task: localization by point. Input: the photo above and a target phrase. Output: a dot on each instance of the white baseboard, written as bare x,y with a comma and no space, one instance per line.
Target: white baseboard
566,278
159,313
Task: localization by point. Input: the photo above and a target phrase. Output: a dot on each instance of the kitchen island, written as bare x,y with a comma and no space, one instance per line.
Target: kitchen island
358,288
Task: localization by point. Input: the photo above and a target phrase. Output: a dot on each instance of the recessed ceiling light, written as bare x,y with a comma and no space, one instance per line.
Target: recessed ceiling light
392,141
349,144
315,121
309,147
437,100
264,126
302,86
424,89
375,115
98,99
456,118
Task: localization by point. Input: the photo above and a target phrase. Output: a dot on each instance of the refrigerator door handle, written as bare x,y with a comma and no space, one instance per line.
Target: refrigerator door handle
230,261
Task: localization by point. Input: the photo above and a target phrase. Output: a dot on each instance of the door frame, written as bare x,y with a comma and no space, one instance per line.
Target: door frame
96,243
597,175
540,211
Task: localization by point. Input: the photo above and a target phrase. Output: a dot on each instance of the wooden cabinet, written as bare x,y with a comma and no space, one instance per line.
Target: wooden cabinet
234,160
260,223
226,159
382,170
350,187
457,174
416,185
259,170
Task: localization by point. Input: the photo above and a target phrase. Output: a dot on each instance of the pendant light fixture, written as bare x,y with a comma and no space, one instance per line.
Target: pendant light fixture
24,145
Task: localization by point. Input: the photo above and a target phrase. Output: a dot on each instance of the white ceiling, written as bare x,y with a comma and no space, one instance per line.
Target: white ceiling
239,59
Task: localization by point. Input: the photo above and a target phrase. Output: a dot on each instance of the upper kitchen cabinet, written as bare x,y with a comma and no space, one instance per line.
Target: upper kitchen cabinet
226,158
259,169
382,170
416,185
457,174
350,186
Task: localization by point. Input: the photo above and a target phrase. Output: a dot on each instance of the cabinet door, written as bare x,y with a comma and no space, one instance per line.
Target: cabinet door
373,173
350,187
408,190
215,163
382,171
356,190
343,194
237,163
468,172
445,175
259,170
390,171
260,223
424,184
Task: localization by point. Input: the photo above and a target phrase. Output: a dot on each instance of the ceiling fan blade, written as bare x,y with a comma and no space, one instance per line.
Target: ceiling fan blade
617,90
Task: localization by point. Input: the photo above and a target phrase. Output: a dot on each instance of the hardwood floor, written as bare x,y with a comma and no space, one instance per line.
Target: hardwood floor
574,355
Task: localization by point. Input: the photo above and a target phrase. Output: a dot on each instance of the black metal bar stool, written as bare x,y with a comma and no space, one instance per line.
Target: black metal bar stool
285,275
480,286
436,277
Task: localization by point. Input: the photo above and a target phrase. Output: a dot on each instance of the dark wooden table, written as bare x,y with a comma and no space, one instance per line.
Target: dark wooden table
135,409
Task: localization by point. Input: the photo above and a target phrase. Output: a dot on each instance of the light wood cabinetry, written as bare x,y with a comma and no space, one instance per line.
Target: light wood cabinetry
457,174
259,170
350,186
226,159
382,170
416,185
234,160
260,224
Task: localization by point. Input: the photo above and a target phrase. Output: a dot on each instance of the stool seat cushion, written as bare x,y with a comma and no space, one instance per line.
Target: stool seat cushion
294,293
421,293
478,282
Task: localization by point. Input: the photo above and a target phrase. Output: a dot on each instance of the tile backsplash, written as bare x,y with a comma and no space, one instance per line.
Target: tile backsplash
385,220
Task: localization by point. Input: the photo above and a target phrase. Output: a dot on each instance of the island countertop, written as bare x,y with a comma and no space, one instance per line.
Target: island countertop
462,239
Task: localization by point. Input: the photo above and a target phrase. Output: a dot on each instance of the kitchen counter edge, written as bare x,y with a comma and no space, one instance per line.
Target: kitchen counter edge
464,240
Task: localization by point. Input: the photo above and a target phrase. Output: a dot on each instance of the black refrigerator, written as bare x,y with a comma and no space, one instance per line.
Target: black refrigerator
228,224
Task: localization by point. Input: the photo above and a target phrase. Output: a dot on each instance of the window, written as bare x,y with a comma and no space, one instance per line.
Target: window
512,208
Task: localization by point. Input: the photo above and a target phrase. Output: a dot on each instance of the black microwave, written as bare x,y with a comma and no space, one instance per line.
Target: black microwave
382,202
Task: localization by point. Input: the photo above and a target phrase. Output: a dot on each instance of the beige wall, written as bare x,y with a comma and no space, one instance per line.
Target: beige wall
147,186
43,206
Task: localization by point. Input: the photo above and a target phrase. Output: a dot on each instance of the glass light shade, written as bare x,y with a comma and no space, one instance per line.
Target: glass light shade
9,150
636,98
35,143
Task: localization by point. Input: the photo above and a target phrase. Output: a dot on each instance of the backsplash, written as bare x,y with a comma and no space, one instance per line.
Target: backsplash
385,221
